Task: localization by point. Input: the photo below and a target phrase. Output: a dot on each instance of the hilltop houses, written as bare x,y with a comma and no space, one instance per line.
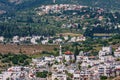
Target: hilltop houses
57,8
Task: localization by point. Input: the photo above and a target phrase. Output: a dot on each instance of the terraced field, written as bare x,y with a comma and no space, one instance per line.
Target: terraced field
26,49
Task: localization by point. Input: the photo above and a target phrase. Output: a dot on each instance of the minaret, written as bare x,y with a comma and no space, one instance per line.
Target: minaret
54,1
60,51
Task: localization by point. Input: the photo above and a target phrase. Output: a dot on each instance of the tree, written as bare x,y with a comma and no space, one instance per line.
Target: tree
26,63
15,61
56,79
0,72
8,78
50,41
103,77
76,52
68,78
42,74
50,73
89,66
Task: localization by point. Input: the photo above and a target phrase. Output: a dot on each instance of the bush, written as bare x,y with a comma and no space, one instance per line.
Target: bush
103,77
15,58
42,74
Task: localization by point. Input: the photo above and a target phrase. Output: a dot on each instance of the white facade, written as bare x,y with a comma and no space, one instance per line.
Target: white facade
105,51
16,39
69,57
33,41
104,70
107,58
1,39
117,52
85,59
59,76
15,69
49,58
76,76
40,64
44,41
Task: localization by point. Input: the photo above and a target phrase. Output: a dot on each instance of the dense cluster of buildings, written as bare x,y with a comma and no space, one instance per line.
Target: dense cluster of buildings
64,66
43,39
57,8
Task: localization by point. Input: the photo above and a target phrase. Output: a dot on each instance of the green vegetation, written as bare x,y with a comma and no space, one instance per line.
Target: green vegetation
24,21
21,4
92,45
103,78
69,74
56,79
15,59
0,72
69,78
42,74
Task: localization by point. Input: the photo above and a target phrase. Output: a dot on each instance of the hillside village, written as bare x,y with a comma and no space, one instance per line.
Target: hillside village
52,19
43,40
59,40
68,66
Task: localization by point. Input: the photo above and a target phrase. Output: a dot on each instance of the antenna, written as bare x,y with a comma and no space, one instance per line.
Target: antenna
54,1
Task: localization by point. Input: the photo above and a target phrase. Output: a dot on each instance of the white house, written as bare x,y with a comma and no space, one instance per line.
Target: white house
69,56
44,41
58,68
117,52
84,65
84,73
16,39
85,59
41,64
66,37
108,49
117,68
1,39
59,76
36,60
59,58
14,75
15,69
105,51
33,41
80,38
76,75
73,39
51,58
107,58
104,69
102,53
57,41
6,75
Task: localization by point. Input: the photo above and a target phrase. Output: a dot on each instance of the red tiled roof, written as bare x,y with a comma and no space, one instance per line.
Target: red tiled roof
10,70
31,75
68,53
